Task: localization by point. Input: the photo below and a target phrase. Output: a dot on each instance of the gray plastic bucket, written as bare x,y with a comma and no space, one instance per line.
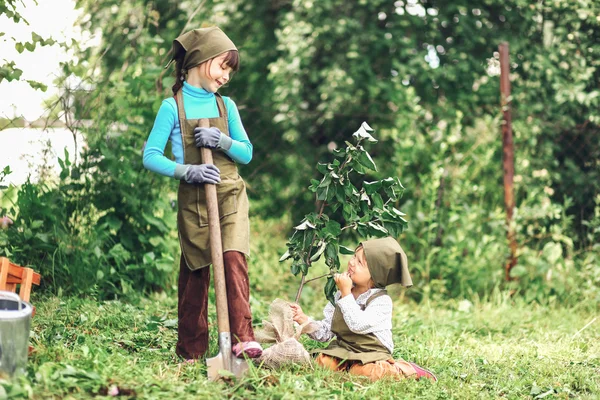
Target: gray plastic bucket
15,318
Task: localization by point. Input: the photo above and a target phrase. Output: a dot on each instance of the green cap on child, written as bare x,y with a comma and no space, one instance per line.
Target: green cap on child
387,262
200,45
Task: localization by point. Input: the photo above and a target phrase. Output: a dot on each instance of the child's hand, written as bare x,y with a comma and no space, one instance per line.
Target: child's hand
343,282
207,137
299,315
202,173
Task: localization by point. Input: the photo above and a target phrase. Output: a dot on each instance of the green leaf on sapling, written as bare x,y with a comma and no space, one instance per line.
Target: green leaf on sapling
322,168
323,193
391,193
363,133
304,268
332,258
372,187
333,228
377,201
365,198
387,182
330,290
314,183
285,256
377,229
321,249
295,268
349,189
397,212
304,226
364,158
346,250
341,153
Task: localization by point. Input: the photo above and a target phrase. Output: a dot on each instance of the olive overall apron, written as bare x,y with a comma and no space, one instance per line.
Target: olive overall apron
192,223
360,354
353,346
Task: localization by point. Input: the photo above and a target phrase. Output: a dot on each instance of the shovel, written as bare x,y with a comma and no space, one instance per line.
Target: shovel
224,360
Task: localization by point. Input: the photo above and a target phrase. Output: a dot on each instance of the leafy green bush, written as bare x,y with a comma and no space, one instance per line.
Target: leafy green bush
94,232
457,243
552,269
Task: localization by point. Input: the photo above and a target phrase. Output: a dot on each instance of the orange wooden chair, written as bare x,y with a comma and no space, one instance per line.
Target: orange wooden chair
12,275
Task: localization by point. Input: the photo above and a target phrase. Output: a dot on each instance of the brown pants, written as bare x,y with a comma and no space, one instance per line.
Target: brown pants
376,370
192,341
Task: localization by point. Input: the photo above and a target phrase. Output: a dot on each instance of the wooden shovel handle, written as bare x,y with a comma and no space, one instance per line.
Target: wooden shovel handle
216,247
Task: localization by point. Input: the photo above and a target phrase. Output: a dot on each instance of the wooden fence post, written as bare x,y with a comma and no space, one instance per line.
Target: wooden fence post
508,153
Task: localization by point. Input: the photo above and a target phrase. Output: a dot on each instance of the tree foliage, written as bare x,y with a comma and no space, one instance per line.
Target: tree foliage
311,69
424,73
9,70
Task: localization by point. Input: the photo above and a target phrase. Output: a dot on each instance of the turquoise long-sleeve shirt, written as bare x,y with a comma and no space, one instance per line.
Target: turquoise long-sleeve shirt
198,103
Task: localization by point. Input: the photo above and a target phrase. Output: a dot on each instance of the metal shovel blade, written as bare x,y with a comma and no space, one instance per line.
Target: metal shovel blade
225,363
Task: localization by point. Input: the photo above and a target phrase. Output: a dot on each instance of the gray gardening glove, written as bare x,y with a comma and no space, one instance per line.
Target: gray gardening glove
212,138
203,173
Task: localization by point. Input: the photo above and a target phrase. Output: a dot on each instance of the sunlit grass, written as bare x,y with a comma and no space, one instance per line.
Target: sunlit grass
498,349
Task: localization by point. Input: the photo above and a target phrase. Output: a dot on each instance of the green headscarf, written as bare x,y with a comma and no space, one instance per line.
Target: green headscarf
387,262
200,45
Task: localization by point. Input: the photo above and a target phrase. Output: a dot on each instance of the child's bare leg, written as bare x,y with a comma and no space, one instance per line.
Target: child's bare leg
329,362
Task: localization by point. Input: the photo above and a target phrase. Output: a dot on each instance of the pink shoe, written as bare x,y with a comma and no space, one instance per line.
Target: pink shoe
423,373
249,349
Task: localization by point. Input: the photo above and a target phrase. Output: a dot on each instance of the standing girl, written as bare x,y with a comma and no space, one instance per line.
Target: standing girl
205,59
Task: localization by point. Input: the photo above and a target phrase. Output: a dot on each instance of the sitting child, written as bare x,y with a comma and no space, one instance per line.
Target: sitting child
361,319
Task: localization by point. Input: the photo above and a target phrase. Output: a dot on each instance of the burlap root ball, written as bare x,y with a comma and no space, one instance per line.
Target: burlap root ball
281,329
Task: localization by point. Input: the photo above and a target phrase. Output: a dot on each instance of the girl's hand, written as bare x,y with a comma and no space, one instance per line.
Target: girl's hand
203,173
207,137
343,282
299,315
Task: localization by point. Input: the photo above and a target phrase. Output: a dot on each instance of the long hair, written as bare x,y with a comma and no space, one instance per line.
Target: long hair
178,75
232,60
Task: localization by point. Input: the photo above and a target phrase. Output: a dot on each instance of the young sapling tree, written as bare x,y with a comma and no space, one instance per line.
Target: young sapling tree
369,210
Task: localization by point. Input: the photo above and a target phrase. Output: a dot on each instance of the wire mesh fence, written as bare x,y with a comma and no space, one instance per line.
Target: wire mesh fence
577,158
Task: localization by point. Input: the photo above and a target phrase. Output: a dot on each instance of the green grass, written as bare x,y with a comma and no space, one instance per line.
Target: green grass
492,350
498,348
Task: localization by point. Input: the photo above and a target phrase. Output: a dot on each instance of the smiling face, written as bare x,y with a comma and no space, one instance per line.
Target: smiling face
358,269
215,72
